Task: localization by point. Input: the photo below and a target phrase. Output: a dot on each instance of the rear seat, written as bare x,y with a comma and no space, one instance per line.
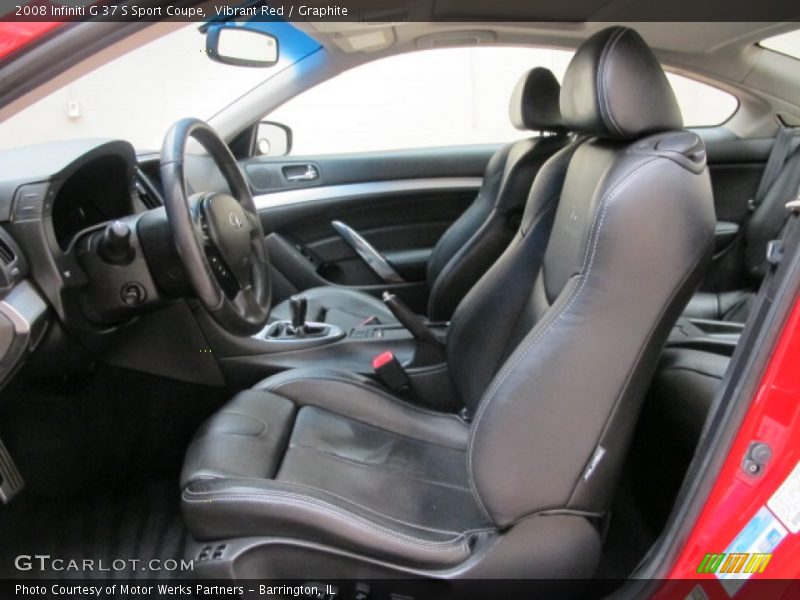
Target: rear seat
763,225
687,378
684,386
669,428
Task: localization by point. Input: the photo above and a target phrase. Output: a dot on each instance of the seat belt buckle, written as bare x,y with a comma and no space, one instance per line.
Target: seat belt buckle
391,372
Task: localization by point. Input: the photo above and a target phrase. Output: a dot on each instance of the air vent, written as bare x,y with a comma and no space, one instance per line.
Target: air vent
7,254
148,193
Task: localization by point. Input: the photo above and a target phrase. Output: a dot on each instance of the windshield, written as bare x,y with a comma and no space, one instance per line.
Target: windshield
137,96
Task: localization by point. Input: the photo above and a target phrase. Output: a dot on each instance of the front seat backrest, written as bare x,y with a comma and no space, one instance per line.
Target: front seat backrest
553,348
475,240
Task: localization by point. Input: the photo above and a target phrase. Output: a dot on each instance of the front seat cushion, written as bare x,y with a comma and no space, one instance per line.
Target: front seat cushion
344,462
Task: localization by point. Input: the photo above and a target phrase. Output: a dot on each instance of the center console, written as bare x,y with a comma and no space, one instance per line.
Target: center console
418,347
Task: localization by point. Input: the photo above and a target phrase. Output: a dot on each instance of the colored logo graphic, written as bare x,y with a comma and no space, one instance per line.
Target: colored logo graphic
735,562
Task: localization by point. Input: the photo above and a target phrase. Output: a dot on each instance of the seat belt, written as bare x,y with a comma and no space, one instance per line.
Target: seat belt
777,156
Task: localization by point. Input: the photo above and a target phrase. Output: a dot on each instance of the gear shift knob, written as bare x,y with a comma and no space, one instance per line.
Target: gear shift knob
298,306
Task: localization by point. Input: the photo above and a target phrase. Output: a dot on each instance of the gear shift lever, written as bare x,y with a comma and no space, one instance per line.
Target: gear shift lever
299,306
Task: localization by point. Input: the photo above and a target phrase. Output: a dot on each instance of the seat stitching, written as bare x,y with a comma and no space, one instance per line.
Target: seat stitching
399,401
373,468
535,152
469,302
437,249
631,371
521,353
603,84
331,510
241,414
368,509
458,258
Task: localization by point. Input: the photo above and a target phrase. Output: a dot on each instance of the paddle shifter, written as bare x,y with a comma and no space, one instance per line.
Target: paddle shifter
299,307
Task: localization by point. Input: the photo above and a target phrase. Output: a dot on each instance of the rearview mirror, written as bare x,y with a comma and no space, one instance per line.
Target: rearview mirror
237,45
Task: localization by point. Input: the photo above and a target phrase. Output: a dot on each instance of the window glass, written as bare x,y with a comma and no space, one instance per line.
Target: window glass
440,97
702,105
786,43
443,97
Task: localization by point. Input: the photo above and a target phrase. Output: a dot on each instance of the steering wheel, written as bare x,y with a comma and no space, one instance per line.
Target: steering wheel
218,236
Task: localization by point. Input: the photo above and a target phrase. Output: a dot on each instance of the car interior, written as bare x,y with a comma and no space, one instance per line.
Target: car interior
477,362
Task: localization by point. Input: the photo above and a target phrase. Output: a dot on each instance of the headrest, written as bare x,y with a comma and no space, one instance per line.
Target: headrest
615,87
534,102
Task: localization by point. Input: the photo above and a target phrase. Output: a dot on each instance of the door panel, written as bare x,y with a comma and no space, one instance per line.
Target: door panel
269,174
400,202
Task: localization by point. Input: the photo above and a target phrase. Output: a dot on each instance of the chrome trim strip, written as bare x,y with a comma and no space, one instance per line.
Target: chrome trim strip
374,259
23,307
373,188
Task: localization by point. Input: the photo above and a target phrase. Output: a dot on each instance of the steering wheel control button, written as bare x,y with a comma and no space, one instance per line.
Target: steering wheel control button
133,294
228,227
218,265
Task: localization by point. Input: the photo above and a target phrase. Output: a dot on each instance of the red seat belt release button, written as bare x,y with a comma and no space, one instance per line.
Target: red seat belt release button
391,372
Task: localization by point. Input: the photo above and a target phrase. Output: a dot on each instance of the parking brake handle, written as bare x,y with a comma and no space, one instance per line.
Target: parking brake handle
412,322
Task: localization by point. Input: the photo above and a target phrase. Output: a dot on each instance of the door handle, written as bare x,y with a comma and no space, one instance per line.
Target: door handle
295,174
367,252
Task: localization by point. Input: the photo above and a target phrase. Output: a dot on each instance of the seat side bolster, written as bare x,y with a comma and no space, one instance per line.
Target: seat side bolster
244,439
218,509
363,400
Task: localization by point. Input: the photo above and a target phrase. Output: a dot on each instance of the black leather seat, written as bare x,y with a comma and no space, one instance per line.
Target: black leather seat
673,417
681,394
763,225
550,352
475,240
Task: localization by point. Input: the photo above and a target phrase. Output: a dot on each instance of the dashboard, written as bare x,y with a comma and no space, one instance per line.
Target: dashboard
56,203
50,195
96,192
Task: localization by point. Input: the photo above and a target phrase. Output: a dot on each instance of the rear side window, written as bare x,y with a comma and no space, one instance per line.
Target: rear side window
786,43
702,105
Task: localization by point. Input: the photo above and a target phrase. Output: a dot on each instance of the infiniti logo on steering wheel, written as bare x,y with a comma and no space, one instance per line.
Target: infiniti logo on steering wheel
235,220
